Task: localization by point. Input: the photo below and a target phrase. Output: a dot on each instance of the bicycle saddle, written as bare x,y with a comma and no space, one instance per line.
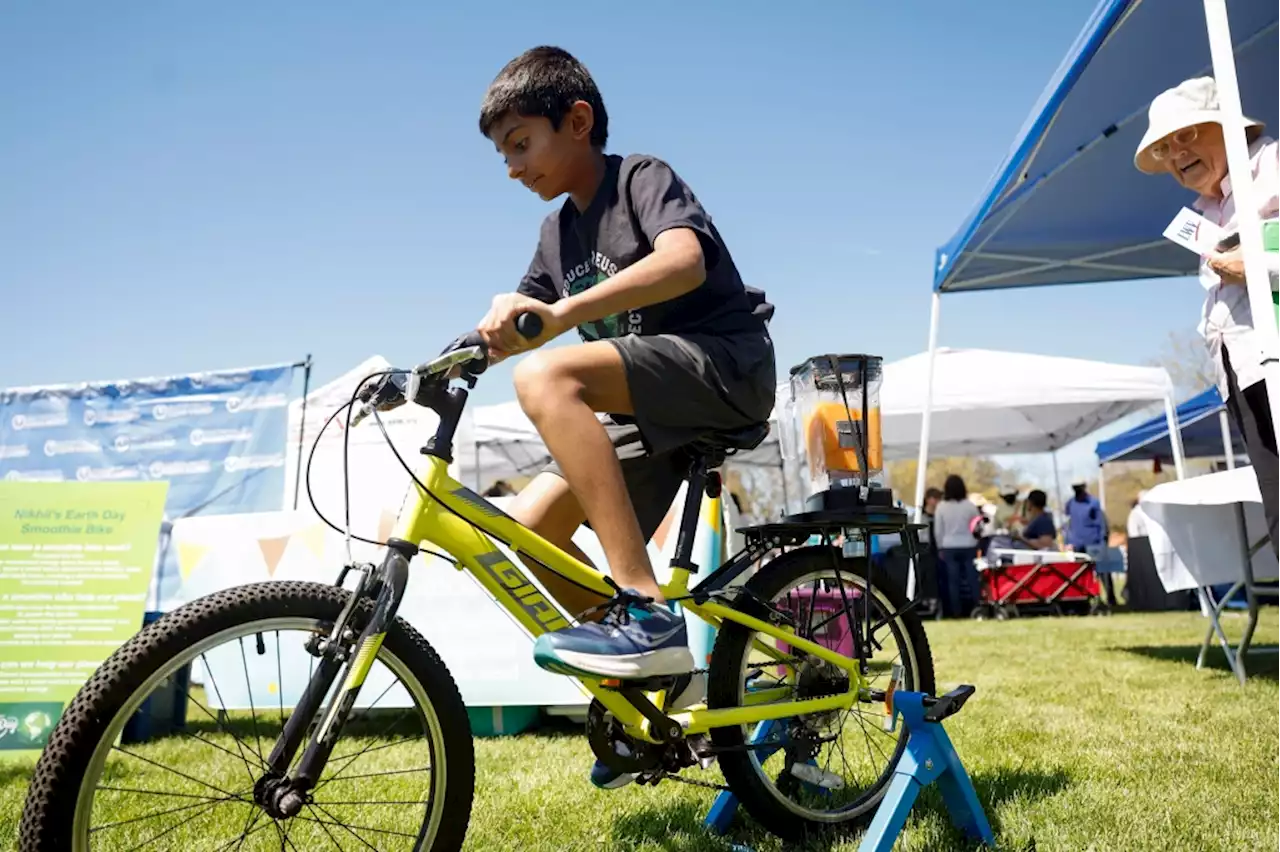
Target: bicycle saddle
745,438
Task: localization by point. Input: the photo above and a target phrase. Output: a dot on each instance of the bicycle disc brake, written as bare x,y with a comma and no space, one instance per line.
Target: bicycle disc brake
613,747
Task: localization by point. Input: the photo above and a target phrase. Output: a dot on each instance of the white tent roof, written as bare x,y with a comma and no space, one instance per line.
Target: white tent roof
991,403
497,442
984,403
987,402
374,470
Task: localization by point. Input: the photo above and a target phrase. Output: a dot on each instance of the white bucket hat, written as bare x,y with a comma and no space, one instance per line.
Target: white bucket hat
1189,103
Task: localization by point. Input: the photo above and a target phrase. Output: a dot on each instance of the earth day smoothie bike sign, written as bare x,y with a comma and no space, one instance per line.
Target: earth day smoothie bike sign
76,559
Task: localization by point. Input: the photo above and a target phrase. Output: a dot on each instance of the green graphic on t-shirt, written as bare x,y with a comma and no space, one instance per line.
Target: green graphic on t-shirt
610,326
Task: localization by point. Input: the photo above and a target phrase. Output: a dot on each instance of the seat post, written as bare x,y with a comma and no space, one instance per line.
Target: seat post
683,556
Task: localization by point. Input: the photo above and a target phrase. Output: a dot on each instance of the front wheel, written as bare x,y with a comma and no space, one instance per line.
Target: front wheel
401,777
812,772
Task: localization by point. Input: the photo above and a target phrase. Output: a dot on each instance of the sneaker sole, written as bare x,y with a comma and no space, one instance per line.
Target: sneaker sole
666,661
615,784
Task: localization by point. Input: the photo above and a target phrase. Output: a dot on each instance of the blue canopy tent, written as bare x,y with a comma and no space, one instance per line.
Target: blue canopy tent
1067,205
1201,424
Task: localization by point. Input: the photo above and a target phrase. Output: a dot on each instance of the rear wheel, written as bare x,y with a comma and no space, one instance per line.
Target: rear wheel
193,788
829,769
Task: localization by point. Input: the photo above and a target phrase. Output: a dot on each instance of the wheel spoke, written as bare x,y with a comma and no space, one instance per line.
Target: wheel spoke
239,744
176,772
345,828
372,775
350,827
153,814
253,712
241,839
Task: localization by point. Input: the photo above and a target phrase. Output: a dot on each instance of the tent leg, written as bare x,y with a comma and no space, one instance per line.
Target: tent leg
1227,450
922,460
1102,487
1249,224
1057,491
1175,435
302,427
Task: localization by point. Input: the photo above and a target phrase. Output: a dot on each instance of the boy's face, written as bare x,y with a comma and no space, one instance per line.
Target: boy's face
540,157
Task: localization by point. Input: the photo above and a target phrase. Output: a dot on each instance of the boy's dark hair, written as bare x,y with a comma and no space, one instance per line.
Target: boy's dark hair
954,488
1037,498
934,493
544,82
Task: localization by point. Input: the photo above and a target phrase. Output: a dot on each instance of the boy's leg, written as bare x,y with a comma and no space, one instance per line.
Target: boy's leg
548,507
561,390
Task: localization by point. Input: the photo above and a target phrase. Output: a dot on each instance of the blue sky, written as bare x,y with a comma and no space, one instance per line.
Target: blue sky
200,186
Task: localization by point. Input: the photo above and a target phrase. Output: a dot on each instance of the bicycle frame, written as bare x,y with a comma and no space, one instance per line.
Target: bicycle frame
460,522
453,518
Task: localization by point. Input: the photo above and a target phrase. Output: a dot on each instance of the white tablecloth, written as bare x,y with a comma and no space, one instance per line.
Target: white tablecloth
1195,534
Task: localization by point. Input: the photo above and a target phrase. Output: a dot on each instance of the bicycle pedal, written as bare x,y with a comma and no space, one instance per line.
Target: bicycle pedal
660,683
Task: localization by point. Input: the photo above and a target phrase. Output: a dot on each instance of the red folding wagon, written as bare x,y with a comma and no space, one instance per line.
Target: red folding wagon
1016,581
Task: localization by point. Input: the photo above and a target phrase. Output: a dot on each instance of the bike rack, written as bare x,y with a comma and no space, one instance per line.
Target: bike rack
929,758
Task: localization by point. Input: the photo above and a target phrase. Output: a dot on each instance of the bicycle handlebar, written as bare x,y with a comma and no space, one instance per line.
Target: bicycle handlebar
529,325
468,351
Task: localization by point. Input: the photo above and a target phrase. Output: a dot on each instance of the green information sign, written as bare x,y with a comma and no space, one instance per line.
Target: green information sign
76,560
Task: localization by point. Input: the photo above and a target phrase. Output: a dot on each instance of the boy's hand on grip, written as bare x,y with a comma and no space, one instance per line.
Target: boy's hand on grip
498,328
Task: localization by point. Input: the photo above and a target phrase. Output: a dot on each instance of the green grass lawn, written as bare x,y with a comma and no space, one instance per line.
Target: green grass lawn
1084,734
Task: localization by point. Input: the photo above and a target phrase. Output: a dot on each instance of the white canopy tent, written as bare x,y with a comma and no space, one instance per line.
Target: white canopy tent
497,442
984,403
989,403
377,480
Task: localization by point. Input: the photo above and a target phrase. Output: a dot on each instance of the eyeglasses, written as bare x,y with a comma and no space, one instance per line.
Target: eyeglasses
1184,137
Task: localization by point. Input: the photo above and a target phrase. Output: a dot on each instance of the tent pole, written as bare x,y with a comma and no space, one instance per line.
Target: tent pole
1102,486
1227,450
1057,491
1175,434
922,459
302,426
1242,187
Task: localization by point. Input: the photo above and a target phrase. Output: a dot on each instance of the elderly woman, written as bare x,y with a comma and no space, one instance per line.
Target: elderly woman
1184,140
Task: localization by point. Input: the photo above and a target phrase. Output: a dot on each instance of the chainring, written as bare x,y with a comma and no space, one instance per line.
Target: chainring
605,735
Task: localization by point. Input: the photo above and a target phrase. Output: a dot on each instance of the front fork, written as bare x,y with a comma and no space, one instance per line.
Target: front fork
286,796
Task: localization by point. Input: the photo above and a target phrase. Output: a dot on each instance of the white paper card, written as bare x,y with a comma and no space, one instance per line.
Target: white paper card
1193,232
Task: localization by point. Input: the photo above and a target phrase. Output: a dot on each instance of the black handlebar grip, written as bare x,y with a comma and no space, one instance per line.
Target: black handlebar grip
529,325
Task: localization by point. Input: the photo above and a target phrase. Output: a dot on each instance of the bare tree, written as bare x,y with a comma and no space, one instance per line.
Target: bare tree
1187,360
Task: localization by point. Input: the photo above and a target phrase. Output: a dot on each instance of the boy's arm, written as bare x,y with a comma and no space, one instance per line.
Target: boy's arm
679,231
674,268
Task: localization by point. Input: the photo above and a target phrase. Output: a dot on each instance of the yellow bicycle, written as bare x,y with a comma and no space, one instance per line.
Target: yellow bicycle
810,646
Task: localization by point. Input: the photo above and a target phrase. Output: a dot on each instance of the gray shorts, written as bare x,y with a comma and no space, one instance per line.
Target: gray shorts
682,387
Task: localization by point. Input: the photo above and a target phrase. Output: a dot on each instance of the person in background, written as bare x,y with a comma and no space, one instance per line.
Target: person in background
1136,527
1039,533
1087,531
1006,511
1184,140
931,498
501,488
957,548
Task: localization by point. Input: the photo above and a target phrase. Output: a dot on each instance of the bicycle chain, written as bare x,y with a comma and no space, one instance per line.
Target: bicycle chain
724,788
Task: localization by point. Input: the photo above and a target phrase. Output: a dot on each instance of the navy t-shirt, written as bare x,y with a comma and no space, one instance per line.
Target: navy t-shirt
639,198
1040,525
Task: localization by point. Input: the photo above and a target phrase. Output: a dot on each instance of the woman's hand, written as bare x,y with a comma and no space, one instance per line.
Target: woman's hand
1228,265
498,328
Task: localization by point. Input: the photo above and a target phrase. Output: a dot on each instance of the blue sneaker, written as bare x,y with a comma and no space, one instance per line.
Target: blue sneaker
636,639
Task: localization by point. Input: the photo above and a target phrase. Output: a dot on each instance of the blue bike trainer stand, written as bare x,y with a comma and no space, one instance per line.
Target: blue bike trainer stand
929,758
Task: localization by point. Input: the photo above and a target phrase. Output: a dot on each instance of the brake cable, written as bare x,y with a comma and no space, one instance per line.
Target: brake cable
346,484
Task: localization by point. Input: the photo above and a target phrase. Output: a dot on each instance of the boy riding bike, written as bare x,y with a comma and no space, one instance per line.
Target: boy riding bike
674,346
